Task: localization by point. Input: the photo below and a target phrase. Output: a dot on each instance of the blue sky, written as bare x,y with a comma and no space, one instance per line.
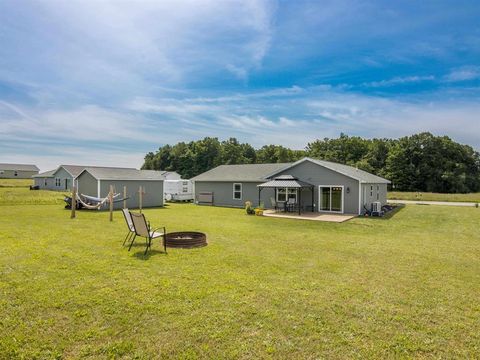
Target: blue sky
104,82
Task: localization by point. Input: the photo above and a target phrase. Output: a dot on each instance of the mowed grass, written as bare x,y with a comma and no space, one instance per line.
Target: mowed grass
25,196
16,182
419,196
17,192
406,287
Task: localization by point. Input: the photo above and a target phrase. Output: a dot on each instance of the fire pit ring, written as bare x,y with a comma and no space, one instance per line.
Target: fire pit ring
186,239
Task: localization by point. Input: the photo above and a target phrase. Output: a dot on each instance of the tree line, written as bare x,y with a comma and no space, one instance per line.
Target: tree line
421,162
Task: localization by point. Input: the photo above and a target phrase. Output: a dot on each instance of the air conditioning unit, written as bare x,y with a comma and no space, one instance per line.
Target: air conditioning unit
377,208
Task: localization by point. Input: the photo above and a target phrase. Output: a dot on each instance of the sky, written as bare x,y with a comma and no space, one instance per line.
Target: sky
104,82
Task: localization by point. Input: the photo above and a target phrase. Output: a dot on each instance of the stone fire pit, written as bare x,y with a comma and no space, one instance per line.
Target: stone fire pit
186,239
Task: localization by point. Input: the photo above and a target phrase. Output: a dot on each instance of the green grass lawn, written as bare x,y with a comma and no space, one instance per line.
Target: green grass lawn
416,196
24,196
15,183
263,288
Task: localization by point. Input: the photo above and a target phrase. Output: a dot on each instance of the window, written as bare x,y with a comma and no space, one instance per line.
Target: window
185,189
371,190
45,182
58,182
15,173
237,191
185,183
378,192
283,194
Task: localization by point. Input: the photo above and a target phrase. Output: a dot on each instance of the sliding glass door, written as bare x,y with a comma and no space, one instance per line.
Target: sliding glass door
331,198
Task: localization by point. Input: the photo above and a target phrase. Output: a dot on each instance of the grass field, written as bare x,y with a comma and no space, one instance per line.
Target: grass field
406,287
24,196
15,183
397,195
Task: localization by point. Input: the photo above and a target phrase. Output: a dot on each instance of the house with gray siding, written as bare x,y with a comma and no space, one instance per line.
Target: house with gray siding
17,171
44,180
95,181
333,187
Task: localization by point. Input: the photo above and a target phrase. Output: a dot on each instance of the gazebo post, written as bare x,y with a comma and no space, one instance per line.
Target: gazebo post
313,196
299,200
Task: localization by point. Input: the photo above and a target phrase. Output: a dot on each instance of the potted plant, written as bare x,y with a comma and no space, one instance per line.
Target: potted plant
259,210
249,208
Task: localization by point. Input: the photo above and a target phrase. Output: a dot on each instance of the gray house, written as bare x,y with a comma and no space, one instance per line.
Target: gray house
44,180
17,171
325,186
95,181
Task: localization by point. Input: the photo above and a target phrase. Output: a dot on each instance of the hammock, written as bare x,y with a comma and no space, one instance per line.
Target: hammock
92,207
99,200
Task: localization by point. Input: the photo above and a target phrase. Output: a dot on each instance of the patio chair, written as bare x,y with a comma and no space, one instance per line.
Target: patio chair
291,205
274,204
142,229
128,220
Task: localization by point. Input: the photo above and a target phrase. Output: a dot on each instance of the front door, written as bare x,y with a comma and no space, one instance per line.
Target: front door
66,184
331,198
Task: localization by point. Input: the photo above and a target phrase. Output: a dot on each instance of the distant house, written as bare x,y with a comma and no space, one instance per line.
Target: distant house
325,186
96,181
17,171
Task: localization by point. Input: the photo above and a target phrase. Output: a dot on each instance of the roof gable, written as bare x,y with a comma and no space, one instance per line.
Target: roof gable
76,170
349,171
123,174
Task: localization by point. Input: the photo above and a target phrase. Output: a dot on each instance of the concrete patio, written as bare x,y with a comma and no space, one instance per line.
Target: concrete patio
315,216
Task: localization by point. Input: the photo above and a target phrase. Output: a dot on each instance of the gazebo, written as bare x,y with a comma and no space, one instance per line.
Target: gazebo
287,182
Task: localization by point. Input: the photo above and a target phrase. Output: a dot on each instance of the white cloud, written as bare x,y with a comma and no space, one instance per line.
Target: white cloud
464,74
95,135
399,81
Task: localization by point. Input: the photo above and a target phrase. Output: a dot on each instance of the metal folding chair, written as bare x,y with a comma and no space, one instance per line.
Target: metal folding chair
142,229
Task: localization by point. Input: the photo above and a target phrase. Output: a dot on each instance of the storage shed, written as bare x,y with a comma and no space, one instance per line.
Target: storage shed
96,182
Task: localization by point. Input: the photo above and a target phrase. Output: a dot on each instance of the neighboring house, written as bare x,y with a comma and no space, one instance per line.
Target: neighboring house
17,171
44,180
61,179
337,188
96,181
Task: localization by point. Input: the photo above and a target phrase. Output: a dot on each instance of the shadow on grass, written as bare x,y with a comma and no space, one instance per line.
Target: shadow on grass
390,214
140,255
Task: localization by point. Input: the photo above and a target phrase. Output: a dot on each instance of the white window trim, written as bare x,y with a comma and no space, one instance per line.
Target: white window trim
320,198
240,191
287,189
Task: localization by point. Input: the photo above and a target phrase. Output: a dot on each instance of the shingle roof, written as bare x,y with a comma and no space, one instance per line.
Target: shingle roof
124,174
350,171
45,174
285,181
19,167
75,170
244,173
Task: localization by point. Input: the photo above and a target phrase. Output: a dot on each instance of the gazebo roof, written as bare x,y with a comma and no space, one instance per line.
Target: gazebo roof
284,181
